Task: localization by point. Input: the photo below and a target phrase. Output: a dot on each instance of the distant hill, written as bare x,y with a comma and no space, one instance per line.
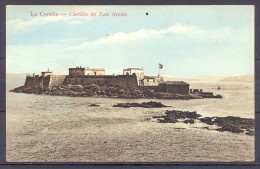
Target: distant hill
239,78
195,78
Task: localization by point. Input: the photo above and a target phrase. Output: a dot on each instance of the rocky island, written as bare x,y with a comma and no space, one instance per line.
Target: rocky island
92,82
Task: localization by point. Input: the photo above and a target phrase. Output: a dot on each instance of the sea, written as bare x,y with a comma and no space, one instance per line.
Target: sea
44,128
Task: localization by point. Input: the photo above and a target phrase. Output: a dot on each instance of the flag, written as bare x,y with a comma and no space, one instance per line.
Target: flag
160,66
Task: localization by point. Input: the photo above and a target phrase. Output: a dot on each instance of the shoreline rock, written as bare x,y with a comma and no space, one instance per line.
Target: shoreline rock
102,91
94,105
95,90
150,104
229,123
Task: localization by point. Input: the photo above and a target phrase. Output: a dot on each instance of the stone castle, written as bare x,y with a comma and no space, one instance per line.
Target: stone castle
131,79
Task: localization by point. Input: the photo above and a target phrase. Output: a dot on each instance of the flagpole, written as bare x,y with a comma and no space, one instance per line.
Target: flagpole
160,67
159,70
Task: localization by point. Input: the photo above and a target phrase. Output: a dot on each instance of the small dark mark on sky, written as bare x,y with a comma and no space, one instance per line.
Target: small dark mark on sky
146,13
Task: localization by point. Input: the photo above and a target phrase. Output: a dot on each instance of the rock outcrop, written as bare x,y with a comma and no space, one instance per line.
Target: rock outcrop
150,104
95,90
229,123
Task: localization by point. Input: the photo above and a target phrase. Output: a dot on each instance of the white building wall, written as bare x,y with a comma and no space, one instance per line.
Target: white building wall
94,71
138,72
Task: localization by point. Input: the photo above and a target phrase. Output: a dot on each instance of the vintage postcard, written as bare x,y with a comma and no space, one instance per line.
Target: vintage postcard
130,83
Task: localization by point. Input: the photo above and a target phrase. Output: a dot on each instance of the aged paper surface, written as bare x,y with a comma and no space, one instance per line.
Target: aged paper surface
130,83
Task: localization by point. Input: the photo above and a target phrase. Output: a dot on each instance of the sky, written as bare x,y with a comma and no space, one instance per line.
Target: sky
186,40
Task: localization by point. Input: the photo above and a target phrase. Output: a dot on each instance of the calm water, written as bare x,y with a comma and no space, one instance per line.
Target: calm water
58,128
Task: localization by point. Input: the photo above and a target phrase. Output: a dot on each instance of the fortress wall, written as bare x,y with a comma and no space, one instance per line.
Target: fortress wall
155,88
125,81
37,82
56,80
46,82
34,82
76,71
174,89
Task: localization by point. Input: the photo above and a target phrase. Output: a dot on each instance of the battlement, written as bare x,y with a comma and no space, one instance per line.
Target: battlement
125,81
132,78
83,71
49,81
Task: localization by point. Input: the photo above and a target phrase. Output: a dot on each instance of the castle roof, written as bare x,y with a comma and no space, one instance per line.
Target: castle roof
88,68
46,72
176,83
151,77
77,68
132,68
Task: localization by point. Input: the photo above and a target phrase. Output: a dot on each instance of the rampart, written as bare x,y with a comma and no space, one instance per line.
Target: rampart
34,82
125,81
47,82
155,88
56,80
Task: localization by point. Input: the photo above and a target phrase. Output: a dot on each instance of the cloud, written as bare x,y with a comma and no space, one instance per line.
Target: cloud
122,37
146,34
69,40
180,48
21,25
178,28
